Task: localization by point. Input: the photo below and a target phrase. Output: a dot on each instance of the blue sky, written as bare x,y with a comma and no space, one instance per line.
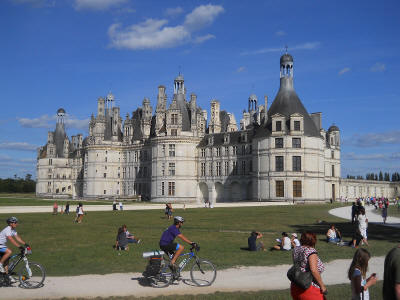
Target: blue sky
68,53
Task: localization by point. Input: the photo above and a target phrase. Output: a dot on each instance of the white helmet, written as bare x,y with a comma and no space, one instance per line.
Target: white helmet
178,219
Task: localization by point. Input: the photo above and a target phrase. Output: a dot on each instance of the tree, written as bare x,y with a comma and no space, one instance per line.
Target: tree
386,177
380,176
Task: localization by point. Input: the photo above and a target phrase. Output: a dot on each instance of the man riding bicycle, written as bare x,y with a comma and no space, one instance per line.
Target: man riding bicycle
167,240
9,234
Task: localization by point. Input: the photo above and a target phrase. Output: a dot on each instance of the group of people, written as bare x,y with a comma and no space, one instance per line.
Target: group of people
124,238
114,205
63,211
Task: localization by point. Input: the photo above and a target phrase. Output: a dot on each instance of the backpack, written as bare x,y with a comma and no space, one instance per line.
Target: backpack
154,265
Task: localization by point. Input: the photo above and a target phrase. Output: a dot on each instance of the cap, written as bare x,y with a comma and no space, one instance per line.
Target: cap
294,234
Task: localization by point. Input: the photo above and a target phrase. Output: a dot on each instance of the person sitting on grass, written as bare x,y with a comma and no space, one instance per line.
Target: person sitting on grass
333,235
356,239
252,241
130,237
284,243
294,241
121,242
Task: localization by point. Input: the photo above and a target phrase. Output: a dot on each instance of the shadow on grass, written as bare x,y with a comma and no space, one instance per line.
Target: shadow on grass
375,231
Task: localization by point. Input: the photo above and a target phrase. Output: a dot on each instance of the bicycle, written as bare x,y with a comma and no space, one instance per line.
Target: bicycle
30,276
202,273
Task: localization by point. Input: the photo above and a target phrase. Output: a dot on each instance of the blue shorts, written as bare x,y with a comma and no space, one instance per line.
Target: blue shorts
3,250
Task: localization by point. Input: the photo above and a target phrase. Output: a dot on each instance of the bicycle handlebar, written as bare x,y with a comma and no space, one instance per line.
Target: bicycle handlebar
195,247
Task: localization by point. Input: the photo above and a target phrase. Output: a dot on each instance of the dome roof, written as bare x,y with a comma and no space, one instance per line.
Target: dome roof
61,111
253,97
179,78
286,58
110,97
333,128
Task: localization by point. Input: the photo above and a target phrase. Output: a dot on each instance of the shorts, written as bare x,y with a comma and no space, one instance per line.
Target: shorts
170,248
3,251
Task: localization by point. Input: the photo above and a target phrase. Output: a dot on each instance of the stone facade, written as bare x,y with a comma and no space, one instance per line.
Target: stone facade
280,153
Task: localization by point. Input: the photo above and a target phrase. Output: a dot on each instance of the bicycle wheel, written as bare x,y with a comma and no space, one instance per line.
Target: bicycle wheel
32,277
203,272
162,279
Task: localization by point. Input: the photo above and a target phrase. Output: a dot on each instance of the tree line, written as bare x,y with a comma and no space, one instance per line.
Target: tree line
395,177
18,185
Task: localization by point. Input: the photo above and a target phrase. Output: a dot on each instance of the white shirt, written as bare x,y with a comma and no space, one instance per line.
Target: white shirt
332,233
286,243
362,221
296,242
6,232
80,211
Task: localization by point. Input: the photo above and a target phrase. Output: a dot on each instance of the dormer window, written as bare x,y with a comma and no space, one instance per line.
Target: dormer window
297,125
210,140
243,137
226,139
278,125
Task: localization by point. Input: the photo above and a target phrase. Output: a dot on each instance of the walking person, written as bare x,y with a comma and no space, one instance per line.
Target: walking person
66,211
55,208
121,207
80,213
168,210
384,214
391,275
307,257
358,275
114,205
363,224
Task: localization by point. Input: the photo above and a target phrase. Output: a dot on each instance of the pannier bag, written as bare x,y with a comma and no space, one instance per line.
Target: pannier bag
155,262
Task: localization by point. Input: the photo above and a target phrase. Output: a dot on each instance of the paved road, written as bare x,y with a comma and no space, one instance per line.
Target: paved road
345,213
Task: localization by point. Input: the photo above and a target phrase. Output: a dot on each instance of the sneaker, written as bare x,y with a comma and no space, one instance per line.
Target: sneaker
2,268
11,279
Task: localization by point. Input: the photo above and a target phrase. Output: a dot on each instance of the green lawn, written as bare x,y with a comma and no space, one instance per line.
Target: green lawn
340,292
66,248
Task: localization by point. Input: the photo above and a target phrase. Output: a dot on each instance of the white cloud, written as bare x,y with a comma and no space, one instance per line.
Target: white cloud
373,156
23,146
374,139
344,70
173,12
97,4
378,67
280,33
201,39
154,33
46,121
202,16
240,69
305,46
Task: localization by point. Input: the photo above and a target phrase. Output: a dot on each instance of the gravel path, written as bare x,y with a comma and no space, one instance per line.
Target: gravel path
230,280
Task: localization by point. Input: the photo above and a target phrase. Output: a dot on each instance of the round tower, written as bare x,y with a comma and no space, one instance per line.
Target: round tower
286,70
60,115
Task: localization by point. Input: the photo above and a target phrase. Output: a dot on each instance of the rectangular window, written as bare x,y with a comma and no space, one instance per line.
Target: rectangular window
296,125
296,188
333,171
234,150
226,151
279,188
211,169
163,169
226,168
171,188
172,150
162,188
332,154
218,151
296,163
278,125
296,142
171,169
278,163
234,168
163,150
219,169
243,167
104,192
243,149
203,152
279,143
174,132
203,169
174,119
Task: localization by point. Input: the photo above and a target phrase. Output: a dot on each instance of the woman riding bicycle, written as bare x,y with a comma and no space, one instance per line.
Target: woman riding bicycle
9,234
167,240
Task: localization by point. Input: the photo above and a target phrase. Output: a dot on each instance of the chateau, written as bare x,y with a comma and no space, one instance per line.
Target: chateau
279,153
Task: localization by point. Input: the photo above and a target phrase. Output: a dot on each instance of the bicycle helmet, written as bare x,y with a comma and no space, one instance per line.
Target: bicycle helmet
12,220
178,219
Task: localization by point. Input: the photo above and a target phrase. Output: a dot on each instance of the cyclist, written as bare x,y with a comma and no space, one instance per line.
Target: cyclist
167,240
9,234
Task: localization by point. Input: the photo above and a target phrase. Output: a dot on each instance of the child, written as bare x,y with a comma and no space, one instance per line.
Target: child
358,275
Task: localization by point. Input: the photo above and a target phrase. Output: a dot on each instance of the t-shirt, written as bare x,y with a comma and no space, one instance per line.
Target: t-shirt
80,210
286,243
121,238
296,242
391,273
332,233
6,232
354,294
252,242
169,235
362,221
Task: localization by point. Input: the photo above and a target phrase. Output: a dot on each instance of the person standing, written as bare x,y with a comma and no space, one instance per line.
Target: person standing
66,211
384,214
391,275
307,257
80,213
55,208
114,205
353,212
363,224
121,207
358,275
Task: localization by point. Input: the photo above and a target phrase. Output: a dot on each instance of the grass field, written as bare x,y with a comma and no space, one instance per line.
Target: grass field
335,292
66,248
